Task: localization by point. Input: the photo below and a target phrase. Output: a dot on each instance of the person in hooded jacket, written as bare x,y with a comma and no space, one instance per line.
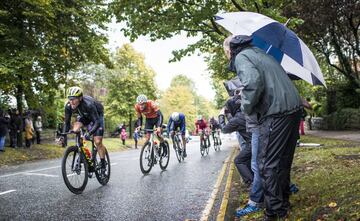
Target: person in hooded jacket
236,122
269,94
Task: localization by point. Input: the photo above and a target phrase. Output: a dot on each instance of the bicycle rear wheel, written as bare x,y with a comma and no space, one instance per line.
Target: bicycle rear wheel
103,178
74,170
146,158
164,159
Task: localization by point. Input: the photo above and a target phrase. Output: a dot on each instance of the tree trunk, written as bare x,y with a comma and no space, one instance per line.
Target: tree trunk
130,125
19,95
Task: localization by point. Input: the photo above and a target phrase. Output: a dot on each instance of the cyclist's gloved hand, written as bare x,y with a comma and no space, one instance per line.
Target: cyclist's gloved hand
158,130
87,136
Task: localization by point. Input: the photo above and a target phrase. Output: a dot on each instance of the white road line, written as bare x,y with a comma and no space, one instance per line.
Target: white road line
9,191
29,171
112,164
41,174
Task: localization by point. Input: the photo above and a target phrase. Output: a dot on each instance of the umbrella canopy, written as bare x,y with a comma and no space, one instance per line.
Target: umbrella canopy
277,40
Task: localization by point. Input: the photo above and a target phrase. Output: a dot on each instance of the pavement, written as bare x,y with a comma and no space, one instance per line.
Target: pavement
36,191
342,135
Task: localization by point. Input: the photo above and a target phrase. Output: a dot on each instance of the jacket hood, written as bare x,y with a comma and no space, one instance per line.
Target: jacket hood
237,44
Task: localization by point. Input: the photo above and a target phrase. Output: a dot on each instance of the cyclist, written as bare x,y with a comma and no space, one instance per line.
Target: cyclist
90,114
201,124
215,128
153,116
177,120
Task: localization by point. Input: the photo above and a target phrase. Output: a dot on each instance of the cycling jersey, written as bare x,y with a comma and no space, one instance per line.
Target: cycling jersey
150,110
214,124
89,111
173,125
152,113
201,124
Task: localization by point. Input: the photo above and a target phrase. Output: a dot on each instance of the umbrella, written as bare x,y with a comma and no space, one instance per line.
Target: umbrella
277,40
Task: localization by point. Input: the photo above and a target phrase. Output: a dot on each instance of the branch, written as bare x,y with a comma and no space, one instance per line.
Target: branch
237,5
215,27
257,7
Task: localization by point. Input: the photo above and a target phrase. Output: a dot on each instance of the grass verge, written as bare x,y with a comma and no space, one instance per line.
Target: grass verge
328,178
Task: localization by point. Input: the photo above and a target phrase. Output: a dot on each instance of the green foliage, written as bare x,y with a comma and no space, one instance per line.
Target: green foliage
42,41
181,97
347,118
129,78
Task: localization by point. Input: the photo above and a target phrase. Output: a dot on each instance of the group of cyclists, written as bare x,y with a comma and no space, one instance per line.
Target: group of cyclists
90,114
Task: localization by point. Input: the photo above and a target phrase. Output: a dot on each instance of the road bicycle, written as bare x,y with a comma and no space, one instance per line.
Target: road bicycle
79,164
204,143
152,153
178,146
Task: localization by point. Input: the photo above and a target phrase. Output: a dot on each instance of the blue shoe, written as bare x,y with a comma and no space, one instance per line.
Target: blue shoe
293,188
246,210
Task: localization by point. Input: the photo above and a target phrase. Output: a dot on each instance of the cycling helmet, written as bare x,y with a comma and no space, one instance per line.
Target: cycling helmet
175,116
199,117
75,92
141,99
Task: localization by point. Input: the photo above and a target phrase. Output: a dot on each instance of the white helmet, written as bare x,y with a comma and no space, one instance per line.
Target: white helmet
141,99
199,117
175,116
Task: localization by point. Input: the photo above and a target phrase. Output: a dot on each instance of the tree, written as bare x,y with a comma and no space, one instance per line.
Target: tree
181,97
42,41
332,28
164,19
129,78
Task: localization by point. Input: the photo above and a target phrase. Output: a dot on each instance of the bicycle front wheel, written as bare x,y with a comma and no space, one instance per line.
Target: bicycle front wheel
177,148
165,156
202,147
74,170
103,178
146,158
216,143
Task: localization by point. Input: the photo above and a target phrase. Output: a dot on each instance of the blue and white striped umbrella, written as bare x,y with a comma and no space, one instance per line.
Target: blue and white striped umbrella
276,39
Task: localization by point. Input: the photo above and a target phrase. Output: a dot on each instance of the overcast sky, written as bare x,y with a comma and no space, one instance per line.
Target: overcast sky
158,53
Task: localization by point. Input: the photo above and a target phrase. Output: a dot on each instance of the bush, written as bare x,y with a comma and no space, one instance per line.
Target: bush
347,118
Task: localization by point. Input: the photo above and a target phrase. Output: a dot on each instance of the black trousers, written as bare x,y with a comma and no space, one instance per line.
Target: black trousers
278,136
12,136
243,164
19,139
38,137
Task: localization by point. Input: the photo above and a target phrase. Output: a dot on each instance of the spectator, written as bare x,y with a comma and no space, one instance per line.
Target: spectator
136,137
12,128
38,129
236,122
123,136
270,95
4,123
308,106
29,130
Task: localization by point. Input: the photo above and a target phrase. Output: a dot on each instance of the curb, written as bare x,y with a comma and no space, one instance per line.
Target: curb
211,201
225,199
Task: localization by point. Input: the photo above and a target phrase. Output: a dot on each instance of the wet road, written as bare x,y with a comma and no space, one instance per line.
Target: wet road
36,191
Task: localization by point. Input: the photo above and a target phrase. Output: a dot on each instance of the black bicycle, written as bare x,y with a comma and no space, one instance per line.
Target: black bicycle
178,146
204,143
151,153
79,164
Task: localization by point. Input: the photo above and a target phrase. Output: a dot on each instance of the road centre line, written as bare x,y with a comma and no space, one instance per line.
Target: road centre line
29,171
41,174
9,191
